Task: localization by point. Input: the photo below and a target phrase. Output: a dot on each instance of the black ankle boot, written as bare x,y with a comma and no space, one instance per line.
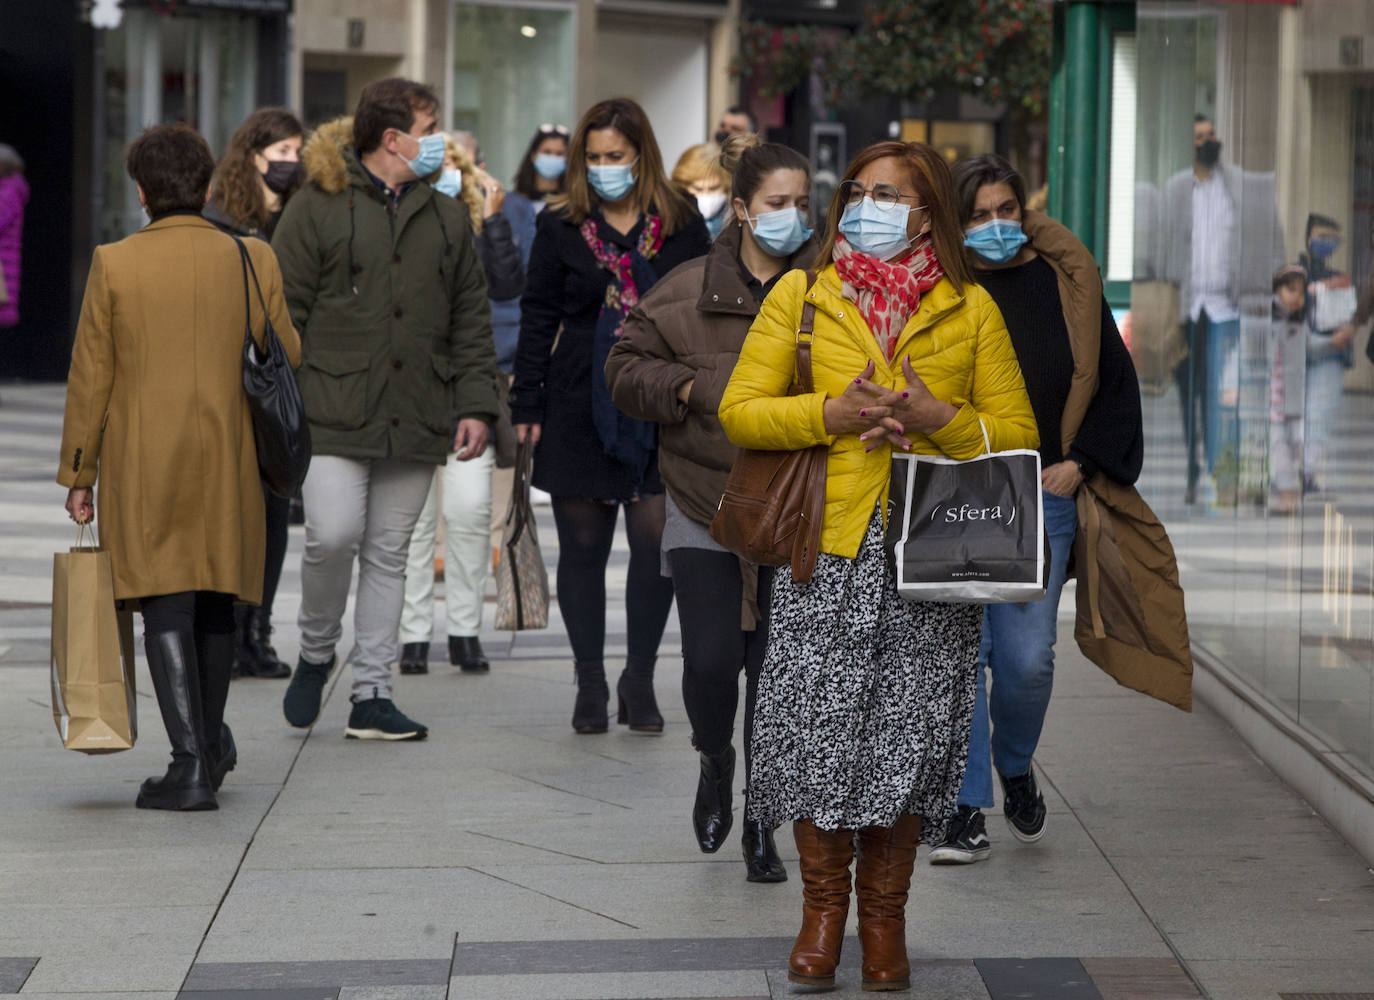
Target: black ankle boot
761,861
635,689
214,660
415,658
465,653
176,679
713,814
589,710
263,658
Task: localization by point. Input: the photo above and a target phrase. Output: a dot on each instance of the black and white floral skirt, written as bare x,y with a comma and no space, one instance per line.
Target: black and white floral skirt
865,700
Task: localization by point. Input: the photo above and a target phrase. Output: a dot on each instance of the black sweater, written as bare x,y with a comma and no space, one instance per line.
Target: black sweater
1111,438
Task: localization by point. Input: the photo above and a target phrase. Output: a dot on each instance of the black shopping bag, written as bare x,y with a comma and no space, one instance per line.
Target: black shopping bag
968,531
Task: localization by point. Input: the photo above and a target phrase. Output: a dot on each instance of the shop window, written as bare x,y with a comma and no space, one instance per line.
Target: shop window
513,70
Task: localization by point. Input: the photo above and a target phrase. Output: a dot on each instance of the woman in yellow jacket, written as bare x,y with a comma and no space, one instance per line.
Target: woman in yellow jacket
865,700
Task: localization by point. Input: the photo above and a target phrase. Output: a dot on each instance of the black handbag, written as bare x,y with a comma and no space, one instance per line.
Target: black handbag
280,430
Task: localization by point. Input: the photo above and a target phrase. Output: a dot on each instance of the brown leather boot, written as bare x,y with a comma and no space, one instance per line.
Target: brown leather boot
825,859
886,858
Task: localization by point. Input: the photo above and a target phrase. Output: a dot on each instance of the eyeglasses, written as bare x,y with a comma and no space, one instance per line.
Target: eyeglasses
548,129
885,196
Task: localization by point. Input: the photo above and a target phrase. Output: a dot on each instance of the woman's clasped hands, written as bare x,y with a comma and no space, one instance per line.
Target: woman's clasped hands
878,413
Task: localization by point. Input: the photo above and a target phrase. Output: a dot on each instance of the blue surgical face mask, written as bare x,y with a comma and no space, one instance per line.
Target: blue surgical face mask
549,166
431,155
877,232
612,181
1322,249
780,233
998,240
450,182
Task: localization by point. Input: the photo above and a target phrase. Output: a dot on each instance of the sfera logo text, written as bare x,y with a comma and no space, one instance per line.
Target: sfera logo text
965,512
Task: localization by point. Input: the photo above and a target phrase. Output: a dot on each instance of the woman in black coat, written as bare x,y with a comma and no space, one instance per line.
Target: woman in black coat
619,227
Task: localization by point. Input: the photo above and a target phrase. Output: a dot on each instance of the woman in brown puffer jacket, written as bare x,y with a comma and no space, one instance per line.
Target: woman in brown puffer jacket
671,365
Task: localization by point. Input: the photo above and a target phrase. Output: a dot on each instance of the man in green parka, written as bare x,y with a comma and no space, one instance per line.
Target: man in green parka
397,369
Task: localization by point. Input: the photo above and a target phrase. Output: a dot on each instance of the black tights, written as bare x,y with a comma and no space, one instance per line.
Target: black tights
586,529
714,646
202,611
278,518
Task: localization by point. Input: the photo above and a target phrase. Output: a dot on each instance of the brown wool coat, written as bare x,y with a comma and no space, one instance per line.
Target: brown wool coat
156,416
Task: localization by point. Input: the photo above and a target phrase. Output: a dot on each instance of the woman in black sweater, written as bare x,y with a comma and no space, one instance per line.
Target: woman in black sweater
1086,398
619,227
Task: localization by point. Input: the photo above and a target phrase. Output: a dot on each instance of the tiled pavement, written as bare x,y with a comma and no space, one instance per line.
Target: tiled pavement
506,857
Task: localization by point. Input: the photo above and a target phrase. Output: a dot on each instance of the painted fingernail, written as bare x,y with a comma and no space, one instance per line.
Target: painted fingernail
858,381
906,395
863,413
906,446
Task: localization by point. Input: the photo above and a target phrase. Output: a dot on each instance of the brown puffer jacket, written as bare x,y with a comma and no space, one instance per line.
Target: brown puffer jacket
689,327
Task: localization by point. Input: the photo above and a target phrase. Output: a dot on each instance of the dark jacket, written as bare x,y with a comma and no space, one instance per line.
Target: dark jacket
689,327
391,306
520,214
565,291
501,260
215,213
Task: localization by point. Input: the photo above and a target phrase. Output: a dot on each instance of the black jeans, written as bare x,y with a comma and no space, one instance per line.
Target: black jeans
204,611
709,592
586,529
1191,379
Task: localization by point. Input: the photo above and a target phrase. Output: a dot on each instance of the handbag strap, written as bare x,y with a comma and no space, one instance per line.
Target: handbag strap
806,333
247,264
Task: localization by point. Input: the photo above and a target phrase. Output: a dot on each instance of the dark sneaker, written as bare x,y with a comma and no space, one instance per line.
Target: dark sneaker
1024,807
380,719
966,842
301,703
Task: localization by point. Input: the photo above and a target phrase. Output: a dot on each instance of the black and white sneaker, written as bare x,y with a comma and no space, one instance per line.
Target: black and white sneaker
1024,807
966,842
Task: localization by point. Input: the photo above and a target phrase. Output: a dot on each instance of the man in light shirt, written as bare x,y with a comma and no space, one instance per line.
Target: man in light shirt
1223,240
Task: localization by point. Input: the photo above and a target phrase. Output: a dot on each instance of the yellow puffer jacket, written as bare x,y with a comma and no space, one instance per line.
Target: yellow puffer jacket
958,345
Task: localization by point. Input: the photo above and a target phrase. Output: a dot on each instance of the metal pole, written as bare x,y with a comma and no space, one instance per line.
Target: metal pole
1081,141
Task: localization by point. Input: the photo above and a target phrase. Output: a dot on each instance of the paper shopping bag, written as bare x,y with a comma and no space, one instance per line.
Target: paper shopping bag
92,655
522,582
969,531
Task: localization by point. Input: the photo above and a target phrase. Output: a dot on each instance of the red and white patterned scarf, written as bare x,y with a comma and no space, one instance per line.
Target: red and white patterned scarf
887,294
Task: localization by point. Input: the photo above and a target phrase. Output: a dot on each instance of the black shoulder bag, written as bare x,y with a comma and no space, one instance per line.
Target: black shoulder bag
280,430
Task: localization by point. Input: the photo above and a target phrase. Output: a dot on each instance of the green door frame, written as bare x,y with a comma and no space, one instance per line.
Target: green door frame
1080,120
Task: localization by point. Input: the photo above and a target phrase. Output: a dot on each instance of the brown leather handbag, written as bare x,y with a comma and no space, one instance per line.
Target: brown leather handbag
774,501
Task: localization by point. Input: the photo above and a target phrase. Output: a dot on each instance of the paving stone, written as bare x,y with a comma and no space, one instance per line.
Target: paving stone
1036,979
613,986
14,972
209,976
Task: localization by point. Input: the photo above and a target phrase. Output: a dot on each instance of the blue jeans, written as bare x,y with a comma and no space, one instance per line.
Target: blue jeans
1018,645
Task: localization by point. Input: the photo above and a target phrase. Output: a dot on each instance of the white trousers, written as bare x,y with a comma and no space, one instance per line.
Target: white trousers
465,488
363,509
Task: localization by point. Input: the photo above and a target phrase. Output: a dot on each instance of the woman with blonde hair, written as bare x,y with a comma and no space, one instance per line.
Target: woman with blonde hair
462,487
701,175
865,699
617,229
252,183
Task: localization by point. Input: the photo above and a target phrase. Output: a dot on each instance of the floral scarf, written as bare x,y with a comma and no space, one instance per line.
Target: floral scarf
887,293
629,441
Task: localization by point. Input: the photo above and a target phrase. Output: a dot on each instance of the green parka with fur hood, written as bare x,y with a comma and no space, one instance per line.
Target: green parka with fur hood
391,305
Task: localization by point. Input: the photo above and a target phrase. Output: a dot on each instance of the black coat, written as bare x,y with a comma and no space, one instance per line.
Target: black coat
565,289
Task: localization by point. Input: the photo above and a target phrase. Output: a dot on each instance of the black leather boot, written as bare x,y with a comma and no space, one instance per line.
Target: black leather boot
176,679
263,658
214,658
465,653
635,689
589,710
415,658
761,861
713,815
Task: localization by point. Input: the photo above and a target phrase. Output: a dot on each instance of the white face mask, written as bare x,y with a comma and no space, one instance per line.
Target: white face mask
710,204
